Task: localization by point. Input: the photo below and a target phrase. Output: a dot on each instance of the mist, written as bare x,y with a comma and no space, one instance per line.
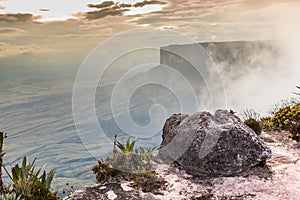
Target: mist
271,69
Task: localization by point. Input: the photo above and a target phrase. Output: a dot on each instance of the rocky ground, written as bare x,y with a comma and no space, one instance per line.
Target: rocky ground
278,179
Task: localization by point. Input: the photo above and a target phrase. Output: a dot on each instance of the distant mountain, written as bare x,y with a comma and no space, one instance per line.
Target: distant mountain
233,59
200,69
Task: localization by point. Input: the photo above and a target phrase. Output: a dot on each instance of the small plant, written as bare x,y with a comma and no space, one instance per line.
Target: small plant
10,197
28,183
32,184
127,162
250,114
130,159
290,102
143,158
252,120
126,149
254,125
297,93
104,172
2,136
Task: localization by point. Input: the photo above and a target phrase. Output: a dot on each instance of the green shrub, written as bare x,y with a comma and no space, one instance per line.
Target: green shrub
265,123
127,158
252,119
32,184
254,125
288,118
290,102
295,131
126,162
281,118
249,114
104,172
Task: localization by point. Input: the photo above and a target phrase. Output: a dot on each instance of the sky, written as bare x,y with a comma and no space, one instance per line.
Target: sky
56,34
45,27
60,10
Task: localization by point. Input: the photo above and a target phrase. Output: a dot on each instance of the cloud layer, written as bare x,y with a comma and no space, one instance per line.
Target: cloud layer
111,8
202,20
18,17
7,49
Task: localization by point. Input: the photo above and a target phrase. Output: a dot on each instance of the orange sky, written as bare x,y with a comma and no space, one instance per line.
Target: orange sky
23,33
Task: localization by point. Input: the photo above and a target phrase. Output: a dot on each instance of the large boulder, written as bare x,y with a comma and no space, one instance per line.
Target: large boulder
212,145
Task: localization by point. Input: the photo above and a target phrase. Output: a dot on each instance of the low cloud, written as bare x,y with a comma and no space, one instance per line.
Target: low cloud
110,8
125,5
104,4
17,17
44,9
104,13
262,4
7,49
151,2
10,32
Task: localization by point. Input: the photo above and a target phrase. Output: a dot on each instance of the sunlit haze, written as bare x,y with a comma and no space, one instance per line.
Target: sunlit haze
62,10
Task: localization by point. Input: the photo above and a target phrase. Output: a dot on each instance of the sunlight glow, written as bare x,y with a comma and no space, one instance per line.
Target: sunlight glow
62,10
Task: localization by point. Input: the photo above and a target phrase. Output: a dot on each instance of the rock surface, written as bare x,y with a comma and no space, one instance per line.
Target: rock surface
278,180
112,191
212,145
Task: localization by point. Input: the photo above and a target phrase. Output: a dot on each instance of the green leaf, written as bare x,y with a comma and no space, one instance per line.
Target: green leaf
24,170
121,146
38,172
128,143
32,186
50,178
33,162
154,148
43,178
16,172
132,146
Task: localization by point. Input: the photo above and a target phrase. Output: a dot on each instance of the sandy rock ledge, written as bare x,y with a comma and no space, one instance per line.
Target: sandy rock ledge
279,179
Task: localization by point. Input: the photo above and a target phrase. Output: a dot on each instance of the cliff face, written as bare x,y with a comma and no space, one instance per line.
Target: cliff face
233,59
243,74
